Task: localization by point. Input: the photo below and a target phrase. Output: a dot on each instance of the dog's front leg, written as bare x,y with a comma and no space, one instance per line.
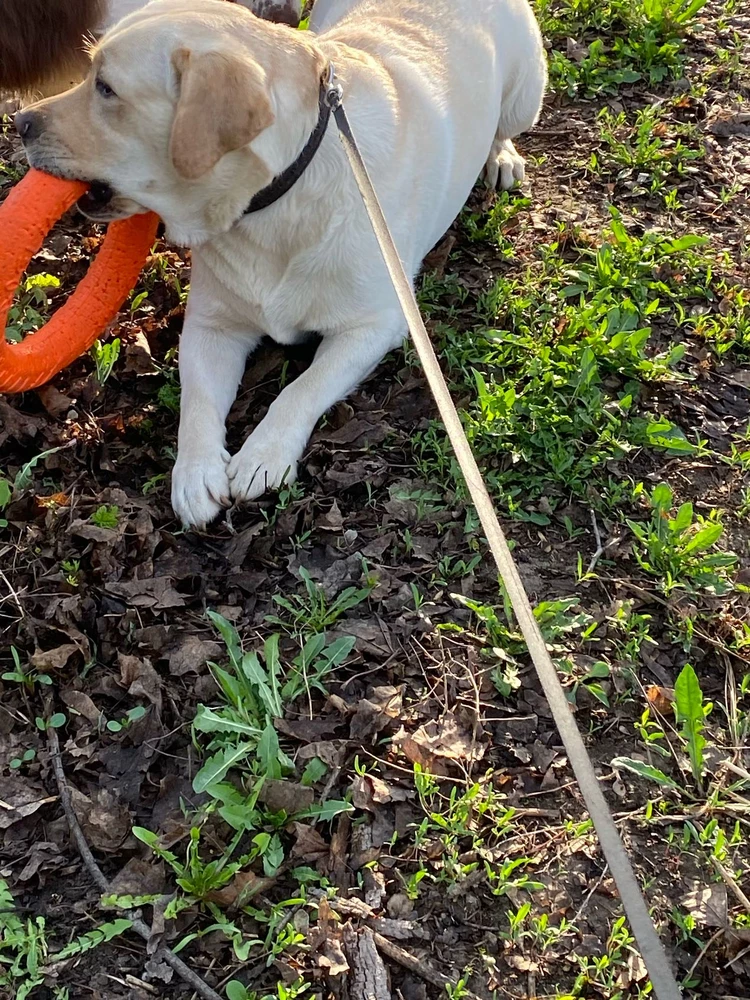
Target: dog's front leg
270,455
211,366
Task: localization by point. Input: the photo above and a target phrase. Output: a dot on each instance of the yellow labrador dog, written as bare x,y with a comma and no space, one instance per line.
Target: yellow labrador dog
214,119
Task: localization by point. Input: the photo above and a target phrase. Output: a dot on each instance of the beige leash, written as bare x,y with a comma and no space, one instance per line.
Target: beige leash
663,981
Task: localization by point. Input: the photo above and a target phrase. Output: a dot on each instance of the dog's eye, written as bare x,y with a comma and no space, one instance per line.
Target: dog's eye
104,88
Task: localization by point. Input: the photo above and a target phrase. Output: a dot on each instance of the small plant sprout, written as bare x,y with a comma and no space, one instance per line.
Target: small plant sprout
105,355
131,716
28,676
106,516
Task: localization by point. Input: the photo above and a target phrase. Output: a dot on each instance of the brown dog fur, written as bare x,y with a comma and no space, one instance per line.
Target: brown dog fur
42,42
42,46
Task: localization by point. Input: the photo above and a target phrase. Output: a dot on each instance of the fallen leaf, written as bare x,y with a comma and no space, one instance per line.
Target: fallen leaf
192,654
575,51
731,124
374,713
44,854
287,796
54,401
332,520
369,791
104,819
140,679
237,549
309,844
417,754
329,751
20,798
138,878
93,533
243,887
325,941
661,698
53,659
156,593
81,703
157,968
308,730
18,425
400,907
138,359
708,904
353,430
444,738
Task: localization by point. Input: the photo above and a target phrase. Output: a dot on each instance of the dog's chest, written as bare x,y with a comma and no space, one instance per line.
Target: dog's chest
280,295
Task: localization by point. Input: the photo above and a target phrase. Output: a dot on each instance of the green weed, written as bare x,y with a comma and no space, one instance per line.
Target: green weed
556,381
648,154
25,952
690,711
105,355
614,42
30,309
312,611
681,550
131,716
6,494
106,516
29,677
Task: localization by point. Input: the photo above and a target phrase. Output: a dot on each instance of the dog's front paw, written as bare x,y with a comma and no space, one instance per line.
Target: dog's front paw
264,462
200,488
505,165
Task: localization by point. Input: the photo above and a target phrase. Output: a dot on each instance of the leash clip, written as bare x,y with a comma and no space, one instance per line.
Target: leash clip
333,93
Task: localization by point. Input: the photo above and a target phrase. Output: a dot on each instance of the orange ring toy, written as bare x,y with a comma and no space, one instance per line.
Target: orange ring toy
26,216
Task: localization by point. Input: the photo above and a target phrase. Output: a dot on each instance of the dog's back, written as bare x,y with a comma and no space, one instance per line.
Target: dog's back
42,41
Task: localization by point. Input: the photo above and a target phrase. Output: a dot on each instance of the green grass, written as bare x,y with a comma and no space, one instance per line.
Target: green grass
649,154
615,42
552,372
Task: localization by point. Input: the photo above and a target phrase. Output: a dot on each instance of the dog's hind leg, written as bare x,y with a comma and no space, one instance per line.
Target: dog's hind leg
520,109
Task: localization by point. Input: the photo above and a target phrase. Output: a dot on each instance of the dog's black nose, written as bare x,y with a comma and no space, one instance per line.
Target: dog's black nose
28,125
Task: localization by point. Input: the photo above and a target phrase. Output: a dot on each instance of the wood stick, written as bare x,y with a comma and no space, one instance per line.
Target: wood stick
414,964
142,929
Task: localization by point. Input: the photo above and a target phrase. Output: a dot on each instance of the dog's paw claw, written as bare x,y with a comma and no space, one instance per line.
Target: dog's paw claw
200,489
259,466
505,167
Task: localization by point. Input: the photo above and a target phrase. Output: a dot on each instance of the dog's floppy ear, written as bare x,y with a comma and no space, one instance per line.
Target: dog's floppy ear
223,105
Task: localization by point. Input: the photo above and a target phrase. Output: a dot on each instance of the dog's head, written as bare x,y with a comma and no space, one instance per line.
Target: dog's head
179,114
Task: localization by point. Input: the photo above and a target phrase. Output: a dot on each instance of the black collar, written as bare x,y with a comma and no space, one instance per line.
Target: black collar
289,177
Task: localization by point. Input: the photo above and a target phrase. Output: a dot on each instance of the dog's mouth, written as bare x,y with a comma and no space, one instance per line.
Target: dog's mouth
97,201
102,203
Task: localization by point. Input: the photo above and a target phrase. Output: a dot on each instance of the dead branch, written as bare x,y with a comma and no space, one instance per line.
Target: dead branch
369,976
414,964
142,929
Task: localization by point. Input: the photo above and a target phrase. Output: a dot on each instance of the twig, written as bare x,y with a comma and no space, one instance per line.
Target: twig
732,961
732,884
12,594
587,897
601,548
702,952
415,965
142,929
